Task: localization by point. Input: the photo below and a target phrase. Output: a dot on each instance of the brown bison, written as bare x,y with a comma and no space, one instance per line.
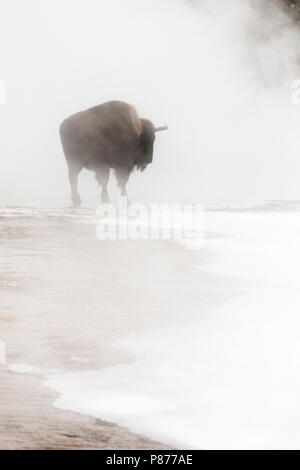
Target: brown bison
110,135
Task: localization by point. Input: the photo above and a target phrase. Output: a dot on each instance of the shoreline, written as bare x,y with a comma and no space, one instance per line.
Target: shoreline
67,299
149,335
35,424
62,311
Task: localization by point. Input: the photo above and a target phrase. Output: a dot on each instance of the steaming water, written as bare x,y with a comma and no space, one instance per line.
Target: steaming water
229,379
197,349
220,74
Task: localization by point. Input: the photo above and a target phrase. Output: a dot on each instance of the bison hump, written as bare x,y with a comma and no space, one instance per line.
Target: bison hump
115,123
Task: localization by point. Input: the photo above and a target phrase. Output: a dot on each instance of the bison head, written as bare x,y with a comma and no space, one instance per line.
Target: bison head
146,141
145,147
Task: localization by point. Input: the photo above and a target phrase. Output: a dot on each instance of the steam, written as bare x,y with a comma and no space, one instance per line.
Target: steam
218,73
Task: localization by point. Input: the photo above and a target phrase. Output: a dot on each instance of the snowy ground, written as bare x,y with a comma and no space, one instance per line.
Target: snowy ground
196,348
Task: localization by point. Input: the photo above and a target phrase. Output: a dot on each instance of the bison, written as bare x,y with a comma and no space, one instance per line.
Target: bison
107,136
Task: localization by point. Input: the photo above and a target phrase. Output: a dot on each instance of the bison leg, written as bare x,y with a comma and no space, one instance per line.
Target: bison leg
102,176
73,177
122,175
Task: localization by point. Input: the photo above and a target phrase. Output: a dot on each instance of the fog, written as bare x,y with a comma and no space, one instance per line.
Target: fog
194,343
218,73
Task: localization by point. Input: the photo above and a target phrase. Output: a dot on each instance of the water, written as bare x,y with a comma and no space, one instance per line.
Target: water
196,348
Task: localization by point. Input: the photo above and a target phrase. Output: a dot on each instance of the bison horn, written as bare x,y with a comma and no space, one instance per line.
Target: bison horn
161,128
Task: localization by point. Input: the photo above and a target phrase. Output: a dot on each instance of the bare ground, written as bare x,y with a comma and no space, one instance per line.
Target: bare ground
29,421
64,297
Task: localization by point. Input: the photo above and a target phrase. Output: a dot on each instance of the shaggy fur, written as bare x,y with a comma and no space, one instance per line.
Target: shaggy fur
107,136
